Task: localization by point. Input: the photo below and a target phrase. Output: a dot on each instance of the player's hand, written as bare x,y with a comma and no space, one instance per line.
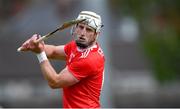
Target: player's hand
31,45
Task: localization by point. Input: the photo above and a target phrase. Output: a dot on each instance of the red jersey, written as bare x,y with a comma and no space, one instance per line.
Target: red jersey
87,66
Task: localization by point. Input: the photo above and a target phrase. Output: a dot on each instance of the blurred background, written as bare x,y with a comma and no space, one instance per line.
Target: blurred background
140,39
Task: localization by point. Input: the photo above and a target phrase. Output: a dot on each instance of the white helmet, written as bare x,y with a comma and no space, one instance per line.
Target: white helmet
92,19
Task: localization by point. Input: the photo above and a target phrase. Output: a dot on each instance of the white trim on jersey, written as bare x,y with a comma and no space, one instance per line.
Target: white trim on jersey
85,54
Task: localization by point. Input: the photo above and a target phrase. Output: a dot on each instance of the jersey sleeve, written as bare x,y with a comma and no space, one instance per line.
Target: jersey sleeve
81,69
67,48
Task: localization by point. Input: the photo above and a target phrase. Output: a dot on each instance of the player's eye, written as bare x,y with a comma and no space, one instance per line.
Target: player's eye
81,27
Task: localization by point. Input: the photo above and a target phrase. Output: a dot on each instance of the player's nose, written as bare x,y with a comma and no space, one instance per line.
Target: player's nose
83,32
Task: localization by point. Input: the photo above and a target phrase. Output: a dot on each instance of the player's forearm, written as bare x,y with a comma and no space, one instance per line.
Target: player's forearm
55,52
54,79
49,49
48,72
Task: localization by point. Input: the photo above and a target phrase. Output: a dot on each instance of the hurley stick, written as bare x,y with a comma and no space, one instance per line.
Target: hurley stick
62,27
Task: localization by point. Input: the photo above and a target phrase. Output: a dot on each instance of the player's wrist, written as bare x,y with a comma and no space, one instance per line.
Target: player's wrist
41,56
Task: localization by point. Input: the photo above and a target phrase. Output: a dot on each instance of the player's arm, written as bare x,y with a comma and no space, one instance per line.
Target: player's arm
55,52
55,80
63,79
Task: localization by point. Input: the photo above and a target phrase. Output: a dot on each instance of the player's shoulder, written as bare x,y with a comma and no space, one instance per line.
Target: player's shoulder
94,59
71,43
69,46
96,53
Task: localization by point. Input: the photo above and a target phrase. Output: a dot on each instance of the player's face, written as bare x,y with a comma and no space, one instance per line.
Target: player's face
85,35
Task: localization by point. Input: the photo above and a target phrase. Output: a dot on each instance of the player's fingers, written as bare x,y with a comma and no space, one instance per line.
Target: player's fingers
38,36
41,42
33,42
26,42
24,49
29,44
34,38
24,46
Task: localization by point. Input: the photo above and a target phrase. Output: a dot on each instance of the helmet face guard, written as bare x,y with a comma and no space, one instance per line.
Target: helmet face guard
92,19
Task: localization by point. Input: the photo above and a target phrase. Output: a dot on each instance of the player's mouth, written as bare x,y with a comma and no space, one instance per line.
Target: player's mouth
81,39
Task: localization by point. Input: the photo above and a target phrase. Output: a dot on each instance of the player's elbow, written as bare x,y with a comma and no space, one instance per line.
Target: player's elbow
54,85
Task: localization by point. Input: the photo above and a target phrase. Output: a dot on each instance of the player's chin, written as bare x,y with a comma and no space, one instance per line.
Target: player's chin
81,44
